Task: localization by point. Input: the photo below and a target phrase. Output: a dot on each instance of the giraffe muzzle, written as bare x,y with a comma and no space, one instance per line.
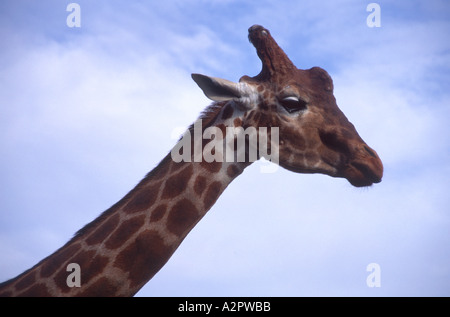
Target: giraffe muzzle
366,169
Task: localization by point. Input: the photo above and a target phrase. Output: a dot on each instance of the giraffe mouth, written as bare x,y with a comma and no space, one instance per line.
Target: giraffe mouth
359,174
364,174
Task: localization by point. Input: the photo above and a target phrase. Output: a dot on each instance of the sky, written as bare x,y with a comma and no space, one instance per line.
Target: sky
86,112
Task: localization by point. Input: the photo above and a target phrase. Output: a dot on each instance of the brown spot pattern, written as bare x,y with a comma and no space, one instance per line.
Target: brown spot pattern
212,194
103,231
101,288
26,281
38,290
6,294
142,200
233,171
58,259
182,217
143,258
177,166
158,213
90,266
177,183
125,230
199,185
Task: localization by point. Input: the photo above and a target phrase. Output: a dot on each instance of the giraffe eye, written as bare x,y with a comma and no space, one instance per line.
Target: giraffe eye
293,104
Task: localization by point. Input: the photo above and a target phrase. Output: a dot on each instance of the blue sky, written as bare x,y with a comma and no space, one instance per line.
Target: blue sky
86,112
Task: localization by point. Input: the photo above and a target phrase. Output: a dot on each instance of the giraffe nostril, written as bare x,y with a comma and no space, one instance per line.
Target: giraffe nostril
370,151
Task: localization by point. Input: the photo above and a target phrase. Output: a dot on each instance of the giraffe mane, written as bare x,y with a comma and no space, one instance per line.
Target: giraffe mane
209,115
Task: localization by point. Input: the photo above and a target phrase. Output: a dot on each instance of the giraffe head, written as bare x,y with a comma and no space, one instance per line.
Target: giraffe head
314,135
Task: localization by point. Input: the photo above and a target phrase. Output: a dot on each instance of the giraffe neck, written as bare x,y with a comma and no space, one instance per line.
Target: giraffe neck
124,247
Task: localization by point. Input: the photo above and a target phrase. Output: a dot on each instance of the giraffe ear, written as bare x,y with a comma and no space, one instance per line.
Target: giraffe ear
218,89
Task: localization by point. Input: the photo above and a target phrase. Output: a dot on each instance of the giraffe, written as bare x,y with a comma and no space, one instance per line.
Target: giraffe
122,249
